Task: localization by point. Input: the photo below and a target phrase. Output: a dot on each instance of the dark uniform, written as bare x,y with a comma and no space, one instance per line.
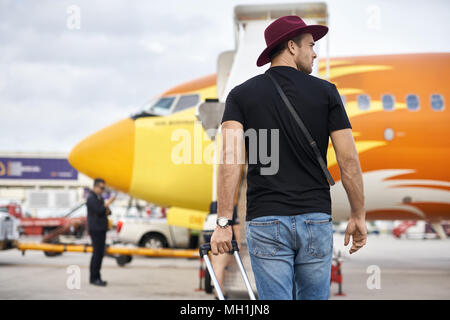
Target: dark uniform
97,227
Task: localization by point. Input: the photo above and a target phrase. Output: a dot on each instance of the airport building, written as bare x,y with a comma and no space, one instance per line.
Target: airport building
43,183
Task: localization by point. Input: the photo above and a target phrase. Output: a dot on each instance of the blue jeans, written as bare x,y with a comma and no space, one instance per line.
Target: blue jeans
291,255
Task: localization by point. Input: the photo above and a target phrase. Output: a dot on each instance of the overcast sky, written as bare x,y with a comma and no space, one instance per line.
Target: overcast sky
59,84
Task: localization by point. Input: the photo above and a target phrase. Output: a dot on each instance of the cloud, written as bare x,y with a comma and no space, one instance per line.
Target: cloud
153,47
58,85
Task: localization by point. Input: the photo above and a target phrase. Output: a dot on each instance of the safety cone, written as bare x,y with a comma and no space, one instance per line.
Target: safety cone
336,275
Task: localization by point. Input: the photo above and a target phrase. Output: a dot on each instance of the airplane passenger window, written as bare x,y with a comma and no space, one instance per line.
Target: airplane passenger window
186,101
437,102
388,101
162,106
363,102
412,102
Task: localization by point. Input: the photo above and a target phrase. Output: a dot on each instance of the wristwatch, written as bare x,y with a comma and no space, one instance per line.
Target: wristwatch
223,222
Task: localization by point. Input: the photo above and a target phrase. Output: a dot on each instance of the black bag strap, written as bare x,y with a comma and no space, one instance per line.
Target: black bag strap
311,141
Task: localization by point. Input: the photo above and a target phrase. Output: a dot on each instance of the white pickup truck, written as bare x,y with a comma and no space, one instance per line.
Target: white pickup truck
152,233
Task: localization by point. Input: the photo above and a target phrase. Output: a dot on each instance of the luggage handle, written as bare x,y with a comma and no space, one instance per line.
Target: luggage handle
205,248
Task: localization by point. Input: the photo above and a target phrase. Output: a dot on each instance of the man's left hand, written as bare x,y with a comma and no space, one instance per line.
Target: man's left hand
221,240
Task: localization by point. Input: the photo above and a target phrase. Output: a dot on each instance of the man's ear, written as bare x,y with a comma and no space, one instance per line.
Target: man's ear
291,46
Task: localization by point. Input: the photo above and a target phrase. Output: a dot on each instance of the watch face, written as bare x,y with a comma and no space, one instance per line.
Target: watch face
222,222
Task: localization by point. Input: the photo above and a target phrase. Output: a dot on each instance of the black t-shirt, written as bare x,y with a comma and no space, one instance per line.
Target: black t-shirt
299,186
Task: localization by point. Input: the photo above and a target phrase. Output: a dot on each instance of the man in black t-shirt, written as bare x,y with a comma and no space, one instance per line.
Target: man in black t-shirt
289,229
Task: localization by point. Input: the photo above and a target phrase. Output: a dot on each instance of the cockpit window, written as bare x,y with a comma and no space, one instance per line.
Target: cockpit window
186,101
162,106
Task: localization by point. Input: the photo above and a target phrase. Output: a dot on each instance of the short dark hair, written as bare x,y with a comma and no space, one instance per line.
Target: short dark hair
280,48
97,181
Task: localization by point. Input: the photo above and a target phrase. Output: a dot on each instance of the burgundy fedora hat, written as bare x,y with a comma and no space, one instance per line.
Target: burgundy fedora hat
284,28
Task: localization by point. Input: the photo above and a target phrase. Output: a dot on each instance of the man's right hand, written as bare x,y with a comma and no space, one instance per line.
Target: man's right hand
221,240
356,228
110,200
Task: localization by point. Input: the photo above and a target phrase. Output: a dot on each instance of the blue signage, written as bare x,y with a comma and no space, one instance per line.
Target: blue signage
37,168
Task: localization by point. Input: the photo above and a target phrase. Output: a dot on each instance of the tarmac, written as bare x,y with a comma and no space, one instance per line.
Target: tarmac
407,268
386,268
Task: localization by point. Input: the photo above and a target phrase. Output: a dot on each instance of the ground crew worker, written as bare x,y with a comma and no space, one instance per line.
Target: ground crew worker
97,212
289,227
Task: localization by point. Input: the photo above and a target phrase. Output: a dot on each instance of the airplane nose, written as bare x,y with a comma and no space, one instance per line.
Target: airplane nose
107,154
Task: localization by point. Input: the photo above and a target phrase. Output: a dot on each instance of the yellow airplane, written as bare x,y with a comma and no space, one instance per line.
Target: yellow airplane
393,107
134,155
